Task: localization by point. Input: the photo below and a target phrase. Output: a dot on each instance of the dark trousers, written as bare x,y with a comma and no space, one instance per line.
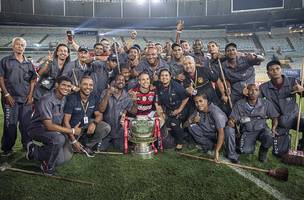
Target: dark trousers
175,123
19,113
55,149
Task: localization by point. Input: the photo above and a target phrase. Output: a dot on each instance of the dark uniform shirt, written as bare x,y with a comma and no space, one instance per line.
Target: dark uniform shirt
171,98
76,72
49,107
17,77
202,83
199,59
79,110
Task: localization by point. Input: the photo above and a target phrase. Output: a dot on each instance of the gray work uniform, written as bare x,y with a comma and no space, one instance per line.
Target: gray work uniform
285,103
76,72
17,78
205,132
175,68
146,67
53,72
240,76
112,116
56,148
253,124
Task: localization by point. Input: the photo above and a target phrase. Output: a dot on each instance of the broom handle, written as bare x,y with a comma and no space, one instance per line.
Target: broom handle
108,153
225,163
54,177
224,81
300,109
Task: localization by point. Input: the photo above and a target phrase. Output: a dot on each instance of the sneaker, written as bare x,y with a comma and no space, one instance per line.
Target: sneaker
234,160
7,153
263,154
30,148
46,170
88,151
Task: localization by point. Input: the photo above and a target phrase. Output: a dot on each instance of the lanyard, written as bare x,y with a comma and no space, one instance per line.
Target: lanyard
194,84
85,106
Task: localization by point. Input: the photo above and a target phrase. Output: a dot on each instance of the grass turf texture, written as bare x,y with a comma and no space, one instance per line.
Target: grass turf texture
166,176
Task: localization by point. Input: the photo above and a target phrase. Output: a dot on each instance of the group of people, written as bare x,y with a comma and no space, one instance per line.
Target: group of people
205,99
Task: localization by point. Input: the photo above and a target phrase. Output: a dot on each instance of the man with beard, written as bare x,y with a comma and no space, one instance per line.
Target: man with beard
79,68
251,113
115,102
55,66
176,63
198,53
46,127
281,91
133,60
82,107
17,80
152,64
239,70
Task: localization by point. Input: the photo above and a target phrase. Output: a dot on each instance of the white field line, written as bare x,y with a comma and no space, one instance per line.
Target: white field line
267,188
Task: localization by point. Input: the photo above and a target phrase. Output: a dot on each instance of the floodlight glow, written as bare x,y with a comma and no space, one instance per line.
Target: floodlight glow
155,1
140,2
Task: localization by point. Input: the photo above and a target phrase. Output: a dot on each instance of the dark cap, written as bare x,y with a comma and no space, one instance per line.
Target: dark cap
175,45
230,44
112,57
80,49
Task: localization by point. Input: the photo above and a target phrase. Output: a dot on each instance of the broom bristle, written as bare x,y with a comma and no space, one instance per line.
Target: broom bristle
279,173
294,158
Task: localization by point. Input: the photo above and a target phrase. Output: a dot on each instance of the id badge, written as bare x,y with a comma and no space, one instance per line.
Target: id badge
85,120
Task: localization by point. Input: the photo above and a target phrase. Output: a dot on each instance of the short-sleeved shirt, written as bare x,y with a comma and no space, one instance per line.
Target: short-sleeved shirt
79,110
17,76
145,101
240,76
202,82
76,72
283,101
175,68
146,67
171,97
49,107
54,72
114,110
199,58
263,110
212,120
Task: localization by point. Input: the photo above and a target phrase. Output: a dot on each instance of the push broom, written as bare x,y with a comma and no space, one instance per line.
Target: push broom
279,173
296,157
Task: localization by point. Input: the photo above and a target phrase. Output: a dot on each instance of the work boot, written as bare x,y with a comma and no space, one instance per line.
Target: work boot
263,154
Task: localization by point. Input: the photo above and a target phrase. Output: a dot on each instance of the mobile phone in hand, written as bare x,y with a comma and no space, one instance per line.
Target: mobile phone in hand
70,36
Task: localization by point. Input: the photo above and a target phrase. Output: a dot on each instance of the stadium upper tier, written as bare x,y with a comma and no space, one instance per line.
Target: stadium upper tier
262,40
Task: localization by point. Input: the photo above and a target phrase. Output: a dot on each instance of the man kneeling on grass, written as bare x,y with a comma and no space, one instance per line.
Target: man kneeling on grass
46,128
82,107
208,127
251,113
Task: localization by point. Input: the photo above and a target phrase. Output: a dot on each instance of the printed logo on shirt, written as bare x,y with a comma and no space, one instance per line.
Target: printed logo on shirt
78,109
200,80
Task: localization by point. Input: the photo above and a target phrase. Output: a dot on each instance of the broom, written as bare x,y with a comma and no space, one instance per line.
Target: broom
279,173
6,166
295,157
